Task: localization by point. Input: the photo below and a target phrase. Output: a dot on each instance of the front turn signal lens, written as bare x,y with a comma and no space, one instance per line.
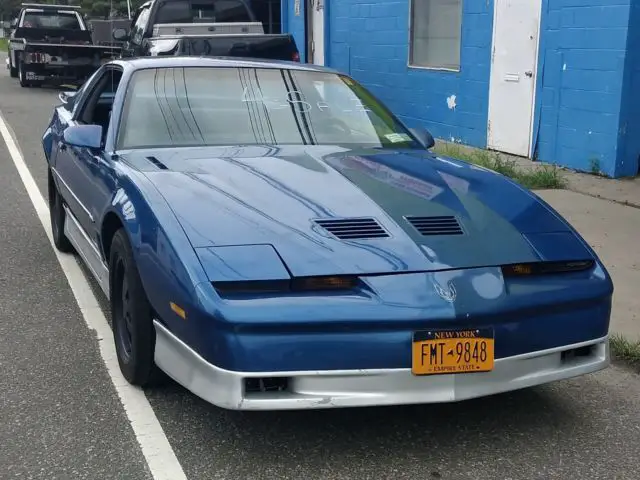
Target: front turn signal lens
178,310
522,269
300,284
324,283
546,268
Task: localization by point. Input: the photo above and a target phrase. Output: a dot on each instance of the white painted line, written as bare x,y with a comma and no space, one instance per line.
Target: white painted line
153,442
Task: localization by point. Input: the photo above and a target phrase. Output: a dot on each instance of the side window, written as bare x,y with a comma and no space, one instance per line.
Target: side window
88,84
138,29
97,107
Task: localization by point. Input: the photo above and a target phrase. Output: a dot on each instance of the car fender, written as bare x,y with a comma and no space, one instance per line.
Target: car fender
167,264
47,142
51,136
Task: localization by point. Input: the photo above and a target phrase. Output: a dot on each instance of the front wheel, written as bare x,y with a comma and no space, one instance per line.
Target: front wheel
133,331
58,216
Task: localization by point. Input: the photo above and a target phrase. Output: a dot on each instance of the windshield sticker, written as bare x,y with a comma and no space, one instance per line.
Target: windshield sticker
398,137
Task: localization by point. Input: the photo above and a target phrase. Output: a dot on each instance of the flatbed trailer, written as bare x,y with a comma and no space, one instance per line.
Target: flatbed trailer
52,44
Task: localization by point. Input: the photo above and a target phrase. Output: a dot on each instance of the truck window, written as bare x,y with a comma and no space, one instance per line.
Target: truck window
198,11
51,20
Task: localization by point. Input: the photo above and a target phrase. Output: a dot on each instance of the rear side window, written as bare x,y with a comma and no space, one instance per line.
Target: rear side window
61,20
197,11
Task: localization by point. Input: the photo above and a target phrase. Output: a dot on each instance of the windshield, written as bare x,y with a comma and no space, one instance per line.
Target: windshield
200,106
195,11
61,20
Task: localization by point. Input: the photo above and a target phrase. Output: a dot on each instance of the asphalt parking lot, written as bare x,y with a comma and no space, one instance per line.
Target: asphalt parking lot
63,418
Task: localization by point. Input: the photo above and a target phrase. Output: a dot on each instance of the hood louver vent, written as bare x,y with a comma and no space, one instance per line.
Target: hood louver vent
353,228
157,163
442,225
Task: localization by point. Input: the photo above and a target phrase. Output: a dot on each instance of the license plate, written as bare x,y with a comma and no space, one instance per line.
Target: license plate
452,351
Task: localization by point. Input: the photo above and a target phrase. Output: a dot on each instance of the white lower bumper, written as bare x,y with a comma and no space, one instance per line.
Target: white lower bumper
359,388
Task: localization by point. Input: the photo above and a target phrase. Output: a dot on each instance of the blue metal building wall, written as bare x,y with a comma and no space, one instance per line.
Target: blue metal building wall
581,79
629,135
295,25
370,41
587,110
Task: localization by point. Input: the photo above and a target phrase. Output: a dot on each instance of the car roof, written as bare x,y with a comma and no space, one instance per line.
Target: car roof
163,61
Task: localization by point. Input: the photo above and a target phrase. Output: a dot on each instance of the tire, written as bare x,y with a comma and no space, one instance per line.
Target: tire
58,217
22,75
13,71
131,314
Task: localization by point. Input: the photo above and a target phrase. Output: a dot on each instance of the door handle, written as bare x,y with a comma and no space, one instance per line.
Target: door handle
529,74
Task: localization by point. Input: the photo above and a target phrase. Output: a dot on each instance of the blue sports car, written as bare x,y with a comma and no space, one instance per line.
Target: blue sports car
271,236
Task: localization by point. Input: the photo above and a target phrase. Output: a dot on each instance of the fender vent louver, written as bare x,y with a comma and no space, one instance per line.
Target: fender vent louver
353,228
441,225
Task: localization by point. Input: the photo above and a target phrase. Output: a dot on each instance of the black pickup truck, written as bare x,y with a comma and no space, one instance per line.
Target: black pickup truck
52,44
203,28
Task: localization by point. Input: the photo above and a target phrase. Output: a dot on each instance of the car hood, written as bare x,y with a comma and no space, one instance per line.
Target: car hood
282,196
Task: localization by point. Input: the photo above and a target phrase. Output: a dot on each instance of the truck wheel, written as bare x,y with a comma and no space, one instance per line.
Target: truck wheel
22,75
13,71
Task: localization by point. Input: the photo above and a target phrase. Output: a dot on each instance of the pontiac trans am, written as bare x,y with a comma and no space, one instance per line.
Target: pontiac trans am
271,236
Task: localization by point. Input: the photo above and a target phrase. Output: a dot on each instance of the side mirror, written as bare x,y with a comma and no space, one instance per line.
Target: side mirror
424,137
14,23
64,97
83,136
120,34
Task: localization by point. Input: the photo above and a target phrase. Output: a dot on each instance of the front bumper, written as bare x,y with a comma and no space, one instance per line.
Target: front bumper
360,388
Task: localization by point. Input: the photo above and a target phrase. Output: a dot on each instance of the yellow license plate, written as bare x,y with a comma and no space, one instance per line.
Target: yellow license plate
452,351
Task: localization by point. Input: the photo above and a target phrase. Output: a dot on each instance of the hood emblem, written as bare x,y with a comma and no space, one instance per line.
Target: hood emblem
447,293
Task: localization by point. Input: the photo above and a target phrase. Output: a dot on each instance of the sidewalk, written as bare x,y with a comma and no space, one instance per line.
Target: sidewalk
606,212
624,191
613,230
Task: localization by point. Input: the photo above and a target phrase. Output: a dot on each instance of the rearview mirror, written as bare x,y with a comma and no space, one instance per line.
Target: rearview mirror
14,23
424,137
120,34
83,136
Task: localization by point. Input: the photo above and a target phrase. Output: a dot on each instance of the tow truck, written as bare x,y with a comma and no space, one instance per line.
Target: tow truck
52,44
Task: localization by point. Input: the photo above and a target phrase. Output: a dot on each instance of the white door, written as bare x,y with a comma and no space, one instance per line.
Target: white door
514,59
317,32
